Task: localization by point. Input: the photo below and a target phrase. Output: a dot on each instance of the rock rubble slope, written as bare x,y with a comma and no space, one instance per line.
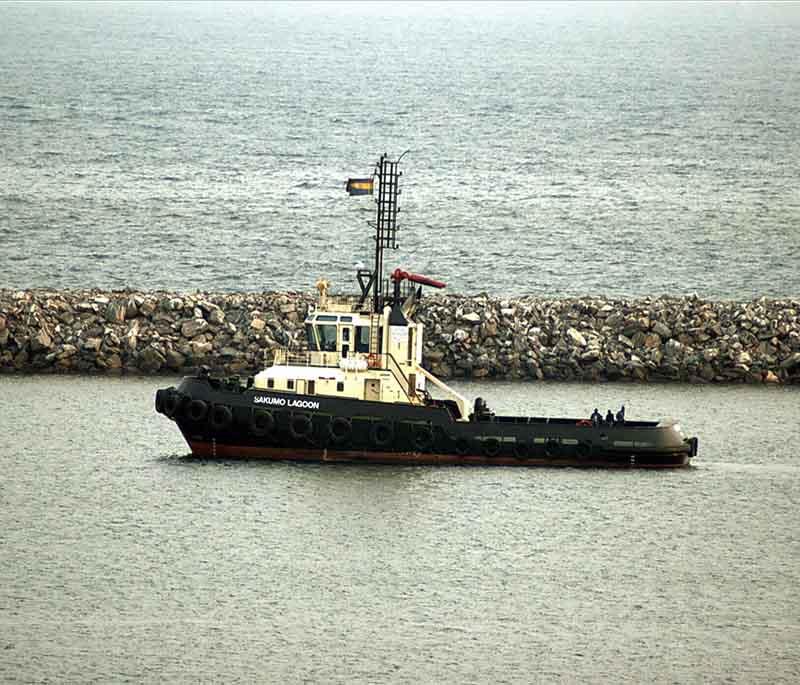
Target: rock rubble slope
591,338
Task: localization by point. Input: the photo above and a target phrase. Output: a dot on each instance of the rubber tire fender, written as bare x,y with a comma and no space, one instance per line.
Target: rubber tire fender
221,417
423,438
196,411
522,449
171,399
463,446
552,448
492,447
262,423
382,434
160,400
300,426
339,429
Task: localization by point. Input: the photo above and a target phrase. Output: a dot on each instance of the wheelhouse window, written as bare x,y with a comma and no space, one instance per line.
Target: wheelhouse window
312,339
362,338
327,337
340,387
290,384
270,382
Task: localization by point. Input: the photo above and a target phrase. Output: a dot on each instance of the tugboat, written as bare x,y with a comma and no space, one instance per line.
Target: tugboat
359,392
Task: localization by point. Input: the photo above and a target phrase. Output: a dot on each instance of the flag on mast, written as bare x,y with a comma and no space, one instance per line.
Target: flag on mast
359,186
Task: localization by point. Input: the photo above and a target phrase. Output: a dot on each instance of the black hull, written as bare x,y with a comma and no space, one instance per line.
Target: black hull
225,421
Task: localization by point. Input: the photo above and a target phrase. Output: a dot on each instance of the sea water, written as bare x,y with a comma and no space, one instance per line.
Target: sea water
125,560
554,149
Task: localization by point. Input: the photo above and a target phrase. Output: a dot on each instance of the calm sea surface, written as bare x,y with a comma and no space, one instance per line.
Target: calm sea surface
624,149
124,560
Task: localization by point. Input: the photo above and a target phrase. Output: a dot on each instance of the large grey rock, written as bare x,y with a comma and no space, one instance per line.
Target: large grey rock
92,344
116,312
433,356
147,308
791,361
151,360
576,337
201,349
41,341
132,336
216,316
114,361
651,340
673,348
67,351
191,329
590,355
174,359
662,329
132,306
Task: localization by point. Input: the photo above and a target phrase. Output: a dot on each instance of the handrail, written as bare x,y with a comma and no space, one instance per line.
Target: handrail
342,300
386,362
404,386
459,399
324,359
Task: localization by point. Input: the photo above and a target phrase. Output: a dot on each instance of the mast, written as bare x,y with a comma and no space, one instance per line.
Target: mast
385,225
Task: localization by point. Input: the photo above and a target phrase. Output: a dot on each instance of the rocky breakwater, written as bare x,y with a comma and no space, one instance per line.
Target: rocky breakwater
138,332
651,339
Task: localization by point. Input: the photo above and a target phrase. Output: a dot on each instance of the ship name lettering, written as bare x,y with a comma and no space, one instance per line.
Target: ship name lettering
264,399
304,404
282,402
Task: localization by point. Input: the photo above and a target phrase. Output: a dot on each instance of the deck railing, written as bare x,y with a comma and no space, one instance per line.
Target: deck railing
287,357
386,362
